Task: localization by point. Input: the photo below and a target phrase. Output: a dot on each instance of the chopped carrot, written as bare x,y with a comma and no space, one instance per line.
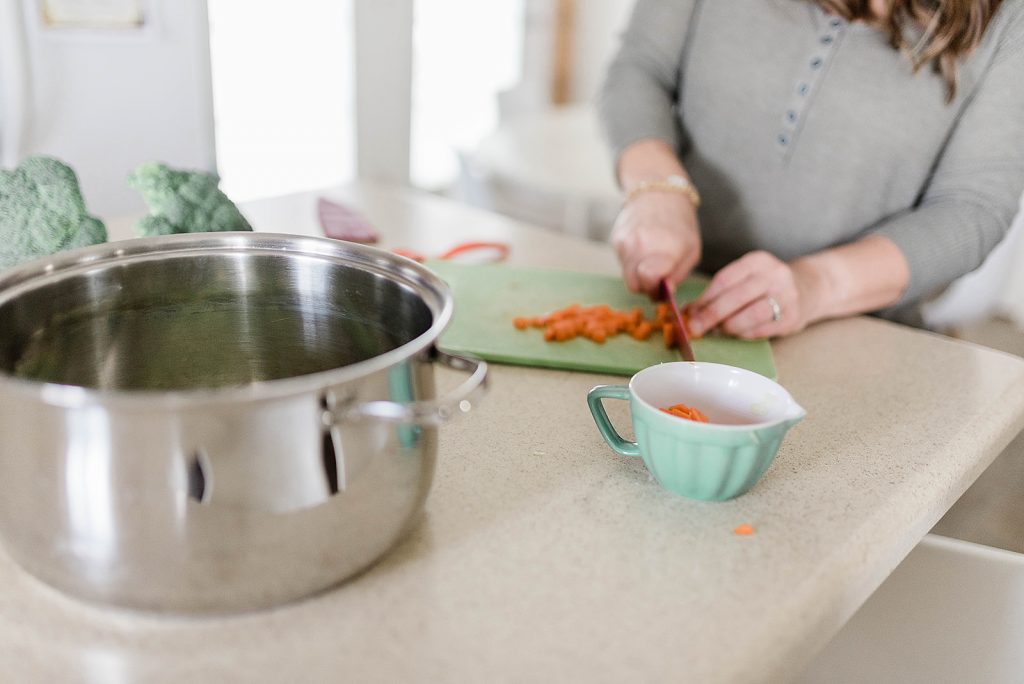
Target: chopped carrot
565,330
661,315
570,312
598,323
668,331
642,331
687,412
744,530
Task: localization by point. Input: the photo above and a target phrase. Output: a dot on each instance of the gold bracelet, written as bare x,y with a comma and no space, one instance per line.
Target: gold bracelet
678,184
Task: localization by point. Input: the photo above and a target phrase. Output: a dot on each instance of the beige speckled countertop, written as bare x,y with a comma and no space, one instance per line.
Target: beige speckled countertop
543,556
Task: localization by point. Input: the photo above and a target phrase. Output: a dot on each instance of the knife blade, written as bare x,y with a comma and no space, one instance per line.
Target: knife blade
682,339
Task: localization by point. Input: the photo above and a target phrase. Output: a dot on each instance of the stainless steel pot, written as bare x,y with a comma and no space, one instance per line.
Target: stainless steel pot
217,422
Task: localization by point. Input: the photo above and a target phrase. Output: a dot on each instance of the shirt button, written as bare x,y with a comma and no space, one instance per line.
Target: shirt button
783,139
790,115
835,23
803,88
826,40
816,62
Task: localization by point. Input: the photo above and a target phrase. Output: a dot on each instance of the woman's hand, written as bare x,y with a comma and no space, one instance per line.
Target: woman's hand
759,296
656,236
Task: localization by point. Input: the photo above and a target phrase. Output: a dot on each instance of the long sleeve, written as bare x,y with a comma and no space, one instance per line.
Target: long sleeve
976,186
642,82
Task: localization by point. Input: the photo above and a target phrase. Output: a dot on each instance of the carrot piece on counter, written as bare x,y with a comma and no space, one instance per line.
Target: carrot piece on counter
521,323
744,530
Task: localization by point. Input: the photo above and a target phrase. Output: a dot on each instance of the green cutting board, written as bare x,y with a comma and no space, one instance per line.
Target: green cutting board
488,297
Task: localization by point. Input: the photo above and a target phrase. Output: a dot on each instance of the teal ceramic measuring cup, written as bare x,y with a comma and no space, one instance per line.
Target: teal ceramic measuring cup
749,417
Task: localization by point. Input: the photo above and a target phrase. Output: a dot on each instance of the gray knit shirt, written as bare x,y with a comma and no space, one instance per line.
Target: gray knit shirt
803,131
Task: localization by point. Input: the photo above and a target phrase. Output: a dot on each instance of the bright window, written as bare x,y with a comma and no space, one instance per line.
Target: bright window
465,52
283,88
282,92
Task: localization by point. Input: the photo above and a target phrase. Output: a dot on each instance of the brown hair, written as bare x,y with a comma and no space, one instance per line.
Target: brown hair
951,29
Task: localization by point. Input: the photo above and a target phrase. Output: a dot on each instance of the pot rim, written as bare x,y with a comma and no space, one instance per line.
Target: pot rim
34,274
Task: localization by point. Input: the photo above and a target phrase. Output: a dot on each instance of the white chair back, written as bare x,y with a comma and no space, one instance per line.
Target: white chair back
981,293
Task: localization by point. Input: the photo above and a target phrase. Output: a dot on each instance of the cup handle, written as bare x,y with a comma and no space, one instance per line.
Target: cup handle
615,441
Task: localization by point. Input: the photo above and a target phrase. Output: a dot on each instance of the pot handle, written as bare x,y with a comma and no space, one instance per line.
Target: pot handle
431,412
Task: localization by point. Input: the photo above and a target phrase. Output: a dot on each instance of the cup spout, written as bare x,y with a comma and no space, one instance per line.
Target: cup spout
794,415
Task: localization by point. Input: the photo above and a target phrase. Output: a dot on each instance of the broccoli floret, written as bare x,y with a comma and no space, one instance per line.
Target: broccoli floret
42,212
183,202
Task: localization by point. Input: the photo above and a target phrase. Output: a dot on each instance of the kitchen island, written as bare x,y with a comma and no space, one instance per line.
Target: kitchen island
544,556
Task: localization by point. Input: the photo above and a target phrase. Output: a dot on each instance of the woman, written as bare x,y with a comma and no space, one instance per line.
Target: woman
847,156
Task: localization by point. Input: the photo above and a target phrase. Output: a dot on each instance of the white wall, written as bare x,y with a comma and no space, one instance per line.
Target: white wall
598,24
383,88
105,102
596,27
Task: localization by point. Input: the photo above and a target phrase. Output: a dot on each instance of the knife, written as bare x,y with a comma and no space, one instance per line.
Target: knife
344,223
681,337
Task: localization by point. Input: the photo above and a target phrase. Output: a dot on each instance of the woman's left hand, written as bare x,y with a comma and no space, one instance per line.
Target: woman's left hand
757,296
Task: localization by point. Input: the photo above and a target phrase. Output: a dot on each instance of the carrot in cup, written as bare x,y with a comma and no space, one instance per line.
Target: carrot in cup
687,412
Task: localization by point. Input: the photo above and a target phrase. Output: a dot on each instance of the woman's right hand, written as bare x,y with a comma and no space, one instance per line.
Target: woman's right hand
656,236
